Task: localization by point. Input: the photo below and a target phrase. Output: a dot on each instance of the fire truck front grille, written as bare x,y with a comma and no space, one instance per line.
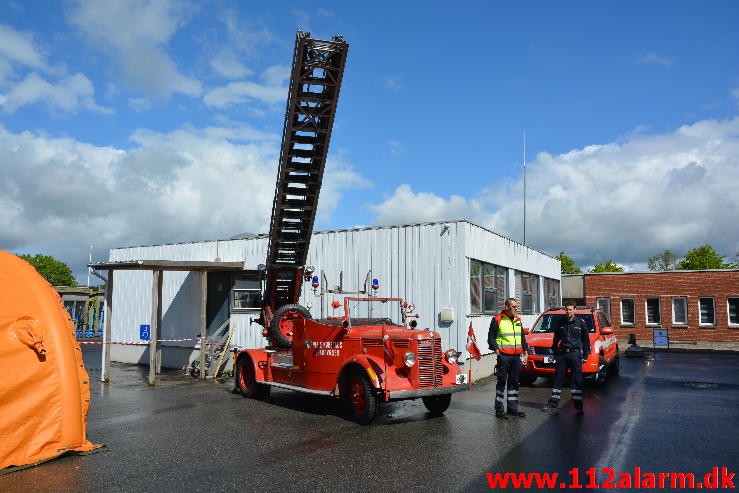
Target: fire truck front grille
429,363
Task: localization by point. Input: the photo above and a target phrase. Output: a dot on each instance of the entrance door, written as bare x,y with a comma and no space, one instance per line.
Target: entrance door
216,306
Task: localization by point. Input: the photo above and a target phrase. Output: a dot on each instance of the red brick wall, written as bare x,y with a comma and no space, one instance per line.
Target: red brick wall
691,285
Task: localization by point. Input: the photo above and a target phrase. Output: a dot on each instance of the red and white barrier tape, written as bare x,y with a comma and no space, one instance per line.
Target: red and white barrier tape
139,343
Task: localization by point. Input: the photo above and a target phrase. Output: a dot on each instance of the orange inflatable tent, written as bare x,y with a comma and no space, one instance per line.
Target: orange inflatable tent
44,389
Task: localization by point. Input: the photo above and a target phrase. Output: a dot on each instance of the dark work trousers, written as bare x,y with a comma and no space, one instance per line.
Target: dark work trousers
508,367
573,361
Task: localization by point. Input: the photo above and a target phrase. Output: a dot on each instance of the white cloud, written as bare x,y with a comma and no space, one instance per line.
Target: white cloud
58,195
242,92
405,206
19,48
136,33
623,201
70,94
394,84
654,58
395,147
227,64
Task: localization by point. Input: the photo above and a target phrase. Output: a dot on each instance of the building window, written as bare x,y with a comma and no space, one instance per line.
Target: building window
605,305
551,292
679,311
247,292
653,312
527,292
627,311
733,306
707,311
487,287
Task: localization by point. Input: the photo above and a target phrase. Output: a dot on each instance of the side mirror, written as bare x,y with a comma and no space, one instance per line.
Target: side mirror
606,331
526,331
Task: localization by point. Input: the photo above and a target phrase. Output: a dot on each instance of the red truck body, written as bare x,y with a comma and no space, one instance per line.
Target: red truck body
366,360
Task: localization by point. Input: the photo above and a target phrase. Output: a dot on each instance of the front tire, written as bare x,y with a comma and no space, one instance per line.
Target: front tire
362,398
602,375
245,380
437,404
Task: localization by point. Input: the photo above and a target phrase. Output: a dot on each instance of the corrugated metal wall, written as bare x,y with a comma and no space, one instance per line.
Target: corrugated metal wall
427,264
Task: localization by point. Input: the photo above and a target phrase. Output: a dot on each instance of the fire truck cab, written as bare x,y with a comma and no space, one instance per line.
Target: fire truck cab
371,354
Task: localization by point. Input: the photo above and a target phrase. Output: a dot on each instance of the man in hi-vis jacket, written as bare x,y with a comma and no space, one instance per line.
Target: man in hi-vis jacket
507,339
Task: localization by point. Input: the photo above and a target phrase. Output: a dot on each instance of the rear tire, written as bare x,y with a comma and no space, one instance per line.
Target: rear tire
362,398
437,404
283,320
245,380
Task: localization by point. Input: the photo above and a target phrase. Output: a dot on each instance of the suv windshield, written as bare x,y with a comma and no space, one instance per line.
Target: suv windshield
375,312
549,321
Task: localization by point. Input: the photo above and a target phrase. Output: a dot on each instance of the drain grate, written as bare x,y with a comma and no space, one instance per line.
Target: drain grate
701,385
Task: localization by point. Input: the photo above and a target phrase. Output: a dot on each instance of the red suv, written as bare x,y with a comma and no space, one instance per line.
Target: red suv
602,361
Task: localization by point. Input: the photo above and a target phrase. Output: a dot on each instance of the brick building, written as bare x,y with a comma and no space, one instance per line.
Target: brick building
701,305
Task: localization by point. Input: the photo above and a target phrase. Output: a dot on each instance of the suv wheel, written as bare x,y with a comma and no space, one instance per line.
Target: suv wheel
602,375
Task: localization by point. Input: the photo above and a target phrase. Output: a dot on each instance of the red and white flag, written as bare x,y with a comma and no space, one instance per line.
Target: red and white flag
472,344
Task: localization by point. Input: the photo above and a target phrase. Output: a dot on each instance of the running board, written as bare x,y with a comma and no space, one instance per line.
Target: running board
297,389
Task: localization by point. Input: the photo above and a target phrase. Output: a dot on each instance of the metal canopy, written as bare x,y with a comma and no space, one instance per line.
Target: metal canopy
181,265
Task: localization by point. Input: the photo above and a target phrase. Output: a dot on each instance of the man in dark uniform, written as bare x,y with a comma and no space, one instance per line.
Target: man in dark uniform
571,346
507,339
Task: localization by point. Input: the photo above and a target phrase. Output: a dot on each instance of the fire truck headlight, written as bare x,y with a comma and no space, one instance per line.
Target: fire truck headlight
409,359
451,356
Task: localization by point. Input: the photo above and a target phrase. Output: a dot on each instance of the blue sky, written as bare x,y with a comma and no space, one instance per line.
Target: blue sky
139,122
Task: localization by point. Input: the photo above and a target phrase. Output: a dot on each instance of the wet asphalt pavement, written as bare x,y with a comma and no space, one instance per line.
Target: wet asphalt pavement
676,413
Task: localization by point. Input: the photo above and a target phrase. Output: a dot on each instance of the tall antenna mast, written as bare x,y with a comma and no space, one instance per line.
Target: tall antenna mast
524,187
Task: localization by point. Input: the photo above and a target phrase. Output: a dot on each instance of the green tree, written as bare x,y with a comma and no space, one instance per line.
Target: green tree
55,271
568,265
663,261
702,257
608,266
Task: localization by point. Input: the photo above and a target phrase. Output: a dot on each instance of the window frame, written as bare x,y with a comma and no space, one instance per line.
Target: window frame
659,312
606,309
494,273
551,289
528,300
257,289
701,323
735,323
684,300
624,322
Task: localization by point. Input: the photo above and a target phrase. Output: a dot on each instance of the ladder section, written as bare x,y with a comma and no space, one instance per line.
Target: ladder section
317,70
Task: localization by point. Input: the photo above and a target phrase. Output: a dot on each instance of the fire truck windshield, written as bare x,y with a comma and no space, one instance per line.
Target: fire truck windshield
375,311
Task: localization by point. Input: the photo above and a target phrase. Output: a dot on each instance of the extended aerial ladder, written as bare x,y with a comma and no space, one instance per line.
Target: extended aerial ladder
318,67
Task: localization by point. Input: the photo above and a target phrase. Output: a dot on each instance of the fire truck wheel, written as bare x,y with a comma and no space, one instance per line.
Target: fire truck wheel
281,328
362,398
245,380
437,404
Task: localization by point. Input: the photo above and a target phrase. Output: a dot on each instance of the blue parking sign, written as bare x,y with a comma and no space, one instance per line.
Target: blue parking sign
144,332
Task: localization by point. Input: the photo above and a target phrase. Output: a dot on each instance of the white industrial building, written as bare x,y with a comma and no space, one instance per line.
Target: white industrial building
455,272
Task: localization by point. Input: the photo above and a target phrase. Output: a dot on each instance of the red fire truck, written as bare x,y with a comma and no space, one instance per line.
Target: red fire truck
371,353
